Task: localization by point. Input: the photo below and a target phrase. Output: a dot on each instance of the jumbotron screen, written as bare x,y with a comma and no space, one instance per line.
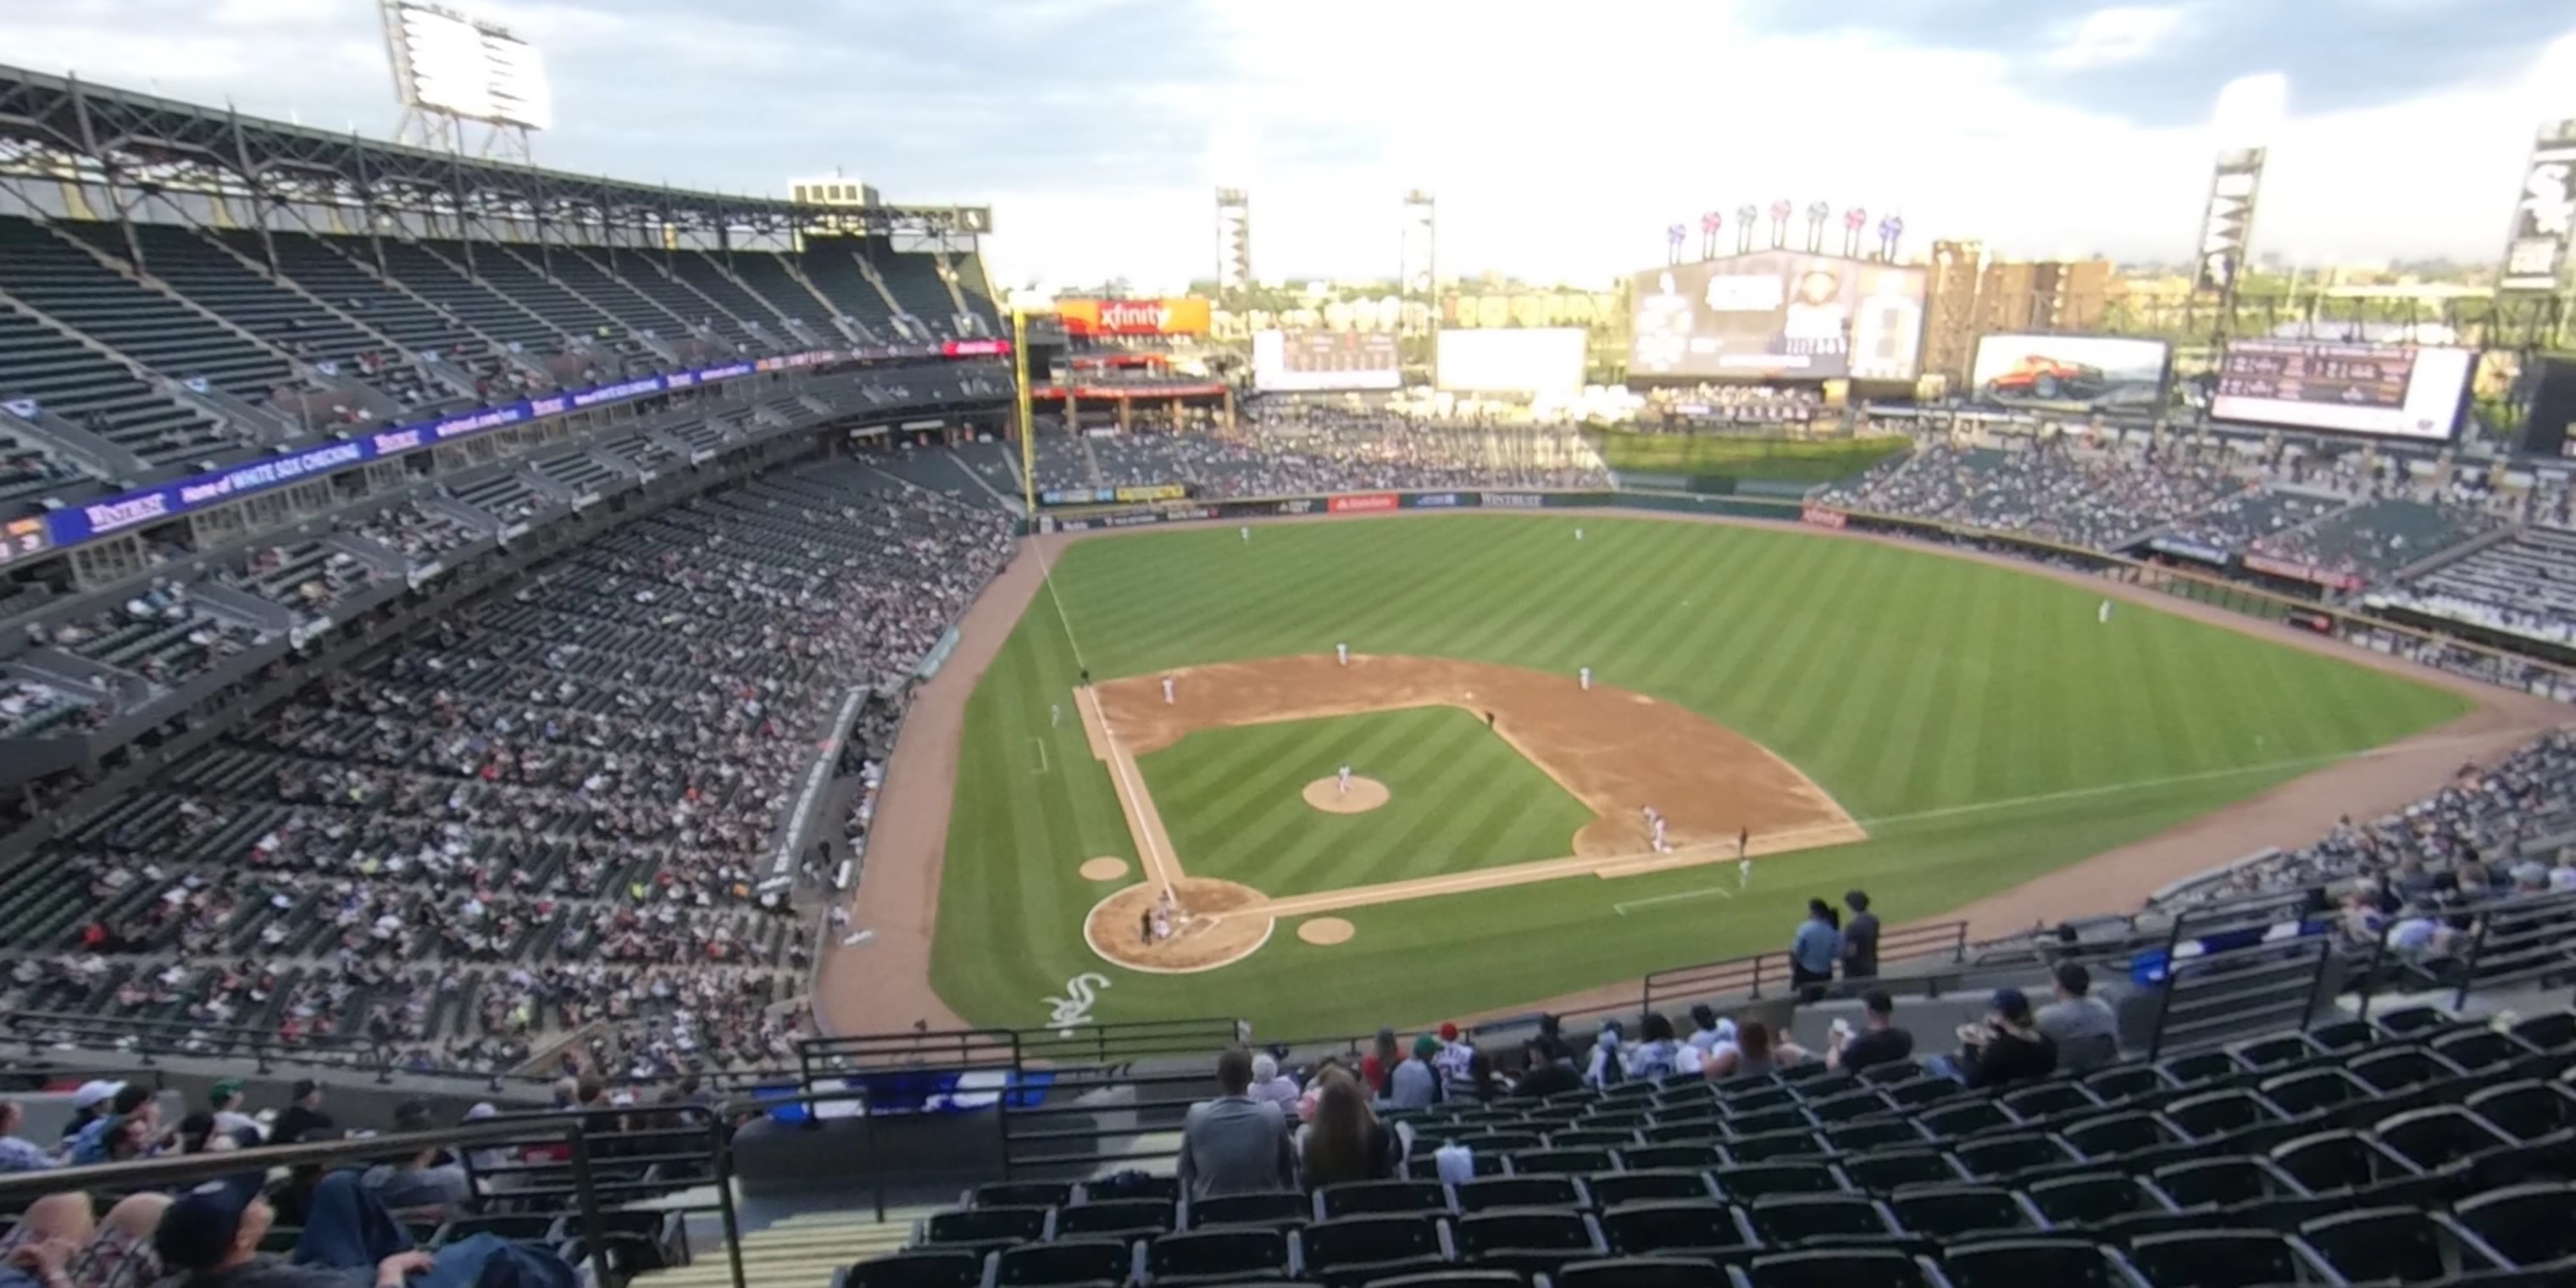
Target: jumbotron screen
1778,314
1310,361
2392,390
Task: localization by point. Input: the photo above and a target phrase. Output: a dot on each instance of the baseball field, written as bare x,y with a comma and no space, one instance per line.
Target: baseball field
1856,714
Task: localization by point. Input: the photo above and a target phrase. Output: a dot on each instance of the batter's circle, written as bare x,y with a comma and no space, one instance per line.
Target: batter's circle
1209,931
1107,867
1366,794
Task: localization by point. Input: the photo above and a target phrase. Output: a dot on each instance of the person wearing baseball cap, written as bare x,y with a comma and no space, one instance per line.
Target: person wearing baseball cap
89,1104
225,1099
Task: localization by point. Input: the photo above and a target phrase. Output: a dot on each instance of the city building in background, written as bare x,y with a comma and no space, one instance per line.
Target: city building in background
1969,294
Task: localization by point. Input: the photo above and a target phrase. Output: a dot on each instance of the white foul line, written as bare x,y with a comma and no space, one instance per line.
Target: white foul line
1720,891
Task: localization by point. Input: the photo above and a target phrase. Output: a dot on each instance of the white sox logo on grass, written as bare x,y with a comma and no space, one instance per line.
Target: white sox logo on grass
1080,993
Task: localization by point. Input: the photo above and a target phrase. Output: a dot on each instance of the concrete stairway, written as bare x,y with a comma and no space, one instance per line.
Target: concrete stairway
799,1251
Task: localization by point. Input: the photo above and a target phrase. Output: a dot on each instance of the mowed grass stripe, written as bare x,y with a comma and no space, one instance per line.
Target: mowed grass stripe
1453,771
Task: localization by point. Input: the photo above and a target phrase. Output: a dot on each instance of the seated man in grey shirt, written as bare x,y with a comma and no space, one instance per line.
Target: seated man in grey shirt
2084,1027
1235,1144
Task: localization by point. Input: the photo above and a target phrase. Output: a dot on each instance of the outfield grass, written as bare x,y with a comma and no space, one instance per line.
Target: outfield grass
1231,800
1784,460
1976,719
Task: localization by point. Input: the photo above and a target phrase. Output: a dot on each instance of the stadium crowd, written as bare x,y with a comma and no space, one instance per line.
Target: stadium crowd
2054,491
554,816
1298,448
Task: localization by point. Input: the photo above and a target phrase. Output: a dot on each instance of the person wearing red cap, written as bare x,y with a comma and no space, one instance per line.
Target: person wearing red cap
1454,1056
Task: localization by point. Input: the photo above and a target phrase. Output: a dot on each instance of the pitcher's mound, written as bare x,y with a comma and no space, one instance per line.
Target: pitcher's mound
1325,931
1326,794
1105,868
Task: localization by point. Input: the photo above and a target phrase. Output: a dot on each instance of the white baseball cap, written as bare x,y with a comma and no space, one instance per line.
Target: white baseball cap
94,1092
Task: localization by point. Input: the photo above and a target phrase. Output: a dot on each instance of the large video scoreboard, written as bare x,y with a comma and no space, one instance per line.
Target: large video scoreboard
2397,391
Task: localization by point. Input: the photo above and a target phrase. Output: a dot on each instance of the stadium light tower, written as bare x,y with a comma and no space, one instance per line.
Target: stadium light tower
452,73
2247,116
1418,263
1233,245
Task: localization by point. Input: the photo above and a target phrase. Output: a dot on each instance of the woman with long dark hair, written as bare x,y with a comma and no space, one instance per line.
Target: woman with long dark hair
1346,1142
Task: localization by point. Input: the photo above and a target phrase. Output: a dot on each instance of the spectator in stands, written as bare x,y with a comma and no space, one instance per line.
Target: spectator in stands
210,1238
2084,1027
1656,1055
1609,1065
1551,1039
1879,1040
2562,878
2007,1047
1415,1084
1455,1053
1753,1052
1860,937
18,1154
1235,1144
224,1100
1483,1084
1269,1084
1379,1064
129,1118
89,1104
1708,1028
63,1243
1543,1074
1347,1142
1815,948
421,1182
304,1120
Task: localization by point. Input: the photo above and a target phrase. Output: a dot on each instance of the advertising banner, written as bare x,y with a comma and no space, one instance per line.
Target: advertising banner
1363,503
1778,314
2390,390
2535,255
1514,500
2070,372
1822,517
1185,315
1150,492
2188,550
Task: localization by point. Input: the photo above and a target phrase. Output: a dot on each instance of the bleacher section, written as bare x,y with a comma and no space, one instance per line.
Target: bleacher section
832,265
101,396
576,781
2095,500
2229,526
2368,541
2409,1148
68,284
2525,584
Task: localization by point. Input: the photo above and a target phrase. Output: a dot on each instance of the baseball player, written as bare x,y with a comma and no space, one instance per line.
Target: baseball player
1167,690
1660,847
2104,615
1055,715
1346,780
1744,874
1586,674
1578,534
1343,651
1247,534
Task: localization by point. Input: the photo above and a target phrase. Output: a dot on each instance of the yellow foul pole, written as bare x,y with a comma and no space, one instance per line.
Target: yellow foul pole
1028,415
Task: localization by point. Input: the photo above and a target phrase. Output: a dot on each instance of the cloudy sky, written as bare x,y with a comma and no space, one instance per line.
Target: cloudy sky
1560,139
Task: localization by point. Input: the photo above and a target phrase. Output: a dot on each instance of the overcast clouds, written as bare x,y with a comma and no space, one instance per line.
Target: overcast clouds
1560,139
